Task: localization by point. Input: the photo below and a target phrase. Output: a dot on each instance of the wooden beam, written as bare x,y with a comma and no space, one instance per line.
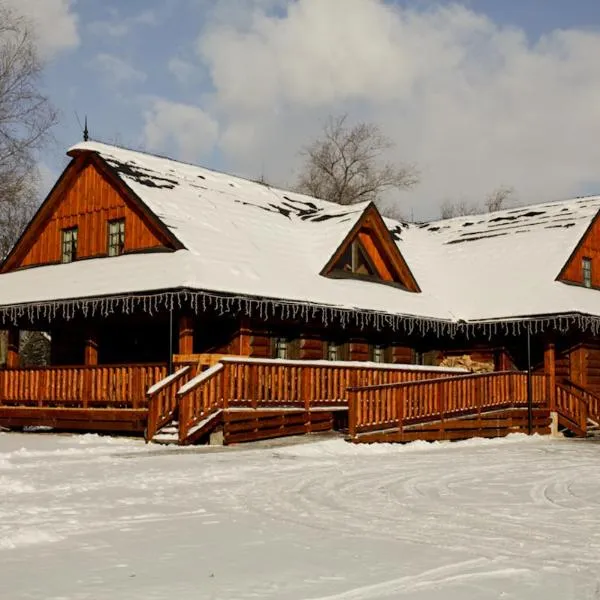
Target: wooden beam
12,357
550,372
245,337
90,353
186,334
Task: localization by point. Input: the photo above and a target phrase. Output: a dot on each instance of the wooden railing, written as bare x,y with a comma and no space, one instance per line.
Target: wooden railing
381,407
162,401
591,399
198,399
572,409
110,386
270,384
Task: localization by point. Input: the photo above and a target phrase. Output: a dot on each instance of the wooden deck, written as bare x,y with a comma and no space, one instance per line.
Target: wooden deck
247,399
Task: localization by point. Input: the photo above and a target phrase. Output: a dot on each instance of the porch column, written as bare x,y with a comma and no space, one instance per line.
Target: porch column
90,353
186,334
550,372
12,357
245,337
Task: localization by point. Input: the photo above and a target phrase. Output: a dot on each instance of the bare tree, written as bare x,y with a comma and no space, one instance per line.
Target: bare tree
26,117
459,208
494,201
497,199
346,164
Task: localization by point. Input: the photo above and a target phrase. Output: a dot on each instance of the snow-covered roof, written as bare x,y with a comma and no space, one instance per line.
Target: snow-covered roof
245,238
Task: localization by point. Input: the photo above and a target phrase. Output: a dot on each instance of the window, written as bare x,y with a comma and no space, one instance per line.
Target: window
336,351
586,265
280,347
285,348
116,237
69,244
355,260
378,353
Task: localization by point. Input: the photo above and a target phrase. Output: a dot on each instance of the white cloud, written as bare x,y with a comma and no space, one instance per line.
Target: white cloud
54,22
122,26
117,71
185,72
188,130
474,104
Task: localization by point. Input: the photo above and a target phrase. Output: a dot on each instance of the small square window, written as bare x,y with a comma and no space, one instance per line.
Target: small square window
280,348
336,351
378,353
116,237
586,265
69,244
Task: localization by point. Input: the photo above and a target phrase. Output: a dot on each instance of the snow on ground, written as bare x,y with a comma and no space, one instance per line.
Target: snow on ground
87,517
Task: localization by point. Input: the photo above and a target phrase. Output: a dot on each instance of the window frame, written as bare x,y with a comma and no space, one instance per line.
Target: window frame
118,248
69,240
384,352
340,348
586,271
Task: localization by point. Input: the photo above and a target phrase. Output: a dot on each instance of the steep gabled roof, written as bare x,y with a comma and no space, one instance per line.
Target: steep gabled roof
502,264
242,238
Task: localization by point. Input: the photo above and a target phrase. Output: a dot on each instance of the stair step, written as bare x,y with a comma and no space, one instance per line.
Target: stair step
165,438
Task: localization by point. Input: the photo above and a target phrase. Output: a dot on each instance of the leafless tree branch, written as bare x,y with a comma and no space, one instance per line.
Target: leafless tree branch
345,166
26,118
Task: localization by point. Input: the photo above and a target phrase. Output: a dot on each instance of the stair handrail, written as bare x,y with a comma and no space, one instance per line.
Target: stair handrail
193,404
576,420
383,406
162,401
593,407
381,386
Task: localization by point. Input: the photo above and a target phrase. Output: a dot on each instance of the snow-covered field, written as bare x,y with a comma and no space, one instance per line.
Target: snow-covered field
85,517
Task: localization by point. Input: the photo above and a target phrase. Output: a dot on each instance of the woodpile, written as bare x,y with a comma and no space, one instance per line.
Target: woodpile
466,362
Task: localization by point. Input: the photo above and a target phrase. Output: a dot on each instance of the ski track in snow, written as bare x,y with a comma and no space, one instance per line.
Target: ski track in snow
111,518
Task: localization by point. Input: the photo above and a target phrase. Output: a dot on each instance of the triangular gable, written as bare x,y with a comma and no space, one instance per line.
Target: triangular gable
82,160
588,247
369,252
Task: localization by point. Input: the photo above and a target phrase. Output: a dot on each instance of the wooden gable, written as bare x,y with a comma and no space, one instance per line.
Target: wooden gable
370,252
87,196
587,248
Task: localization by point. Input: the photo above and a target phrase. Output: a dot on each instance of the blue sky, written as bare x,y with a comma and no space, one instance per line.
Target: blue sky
477,94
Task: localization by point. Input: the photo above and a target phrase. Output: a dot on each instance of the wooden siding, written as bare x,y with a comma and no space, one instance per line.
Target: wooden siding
88,202
593,369
381,248
588,247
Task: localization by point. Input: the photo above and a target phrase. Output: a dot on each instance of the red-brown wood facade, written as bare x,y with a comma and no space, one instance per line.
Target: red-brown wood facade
588,247
381,249
88,196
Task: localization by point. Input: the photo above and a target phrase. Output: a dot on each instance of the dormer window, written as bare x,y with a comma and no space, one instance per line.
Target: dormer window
355,260
116,237
69,244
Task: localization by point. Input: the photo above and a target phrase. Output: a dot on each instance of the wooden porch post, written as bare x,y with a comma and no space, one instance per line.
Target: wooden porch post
90,354
186,334
12,357
550,372
245,337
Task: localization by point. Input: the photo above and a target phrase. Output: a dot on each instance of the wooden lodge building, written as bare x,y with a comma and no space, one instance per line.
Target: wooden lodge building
139,266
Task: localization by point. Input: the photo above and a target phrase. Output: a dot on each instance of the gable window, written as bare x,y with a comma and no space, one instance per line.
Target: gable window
586,265
356,260
116,237
69,244
336,351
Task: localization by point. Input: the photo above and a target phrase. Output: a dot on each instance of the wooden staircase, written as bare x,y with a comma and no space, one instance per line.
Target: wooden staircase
241,399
